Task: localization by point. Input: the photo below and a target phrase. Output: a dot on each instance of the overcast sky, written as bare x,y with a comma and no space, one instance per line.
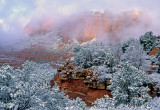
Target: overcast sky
15,14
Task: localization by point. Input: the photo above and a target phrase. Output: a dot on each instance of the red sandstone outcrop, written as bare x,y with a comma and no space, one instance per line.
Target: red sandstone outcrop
87,26
77,88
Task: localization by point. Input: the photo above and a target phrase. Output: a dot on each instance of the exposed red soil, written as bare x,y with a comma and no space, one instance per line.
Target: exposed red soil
154,51
35,54
77,88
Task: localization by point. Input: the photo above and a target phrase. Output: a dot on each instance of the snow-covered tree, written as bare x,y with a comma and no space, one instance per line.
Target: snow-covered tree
127,86
148,41
84,58
155,76
18,90
102,73
7,86
105,103
29,89
99,57
157,61
76,104
89,55
67,48
127,43
110,62
117,52
136,56
108,104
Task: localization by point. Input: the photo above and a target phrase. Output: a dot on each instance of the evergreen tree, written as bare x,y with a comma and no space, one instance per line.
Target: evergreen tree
7,86
28,89
127,43
89,55
136,56
157,62
148,41
109,104
105,103
102,73
127,86
76,104
117,52
99,57
109,62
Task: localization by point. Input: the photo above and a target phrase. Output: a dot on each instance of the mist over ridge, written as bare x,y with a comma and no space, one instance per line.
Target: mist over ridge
82,20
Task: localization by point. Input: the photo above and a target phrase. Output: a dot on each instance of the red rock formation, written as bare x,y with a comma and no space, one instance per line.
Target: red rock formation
154,51
87,26
36,54
77,88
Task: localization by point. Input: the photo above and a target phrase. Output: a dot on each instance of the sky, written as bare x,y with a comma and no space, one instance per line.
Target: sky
16,14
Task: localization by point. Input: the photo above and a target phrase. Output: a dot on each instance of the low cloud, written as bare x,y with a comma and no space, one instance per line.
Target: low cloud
19,18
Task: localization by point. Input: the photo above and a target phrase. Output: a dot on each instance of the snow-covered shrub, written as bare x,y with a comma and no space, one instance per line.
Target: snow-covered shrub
99,57
89,55
127,43
148,41
94,54
157,61
136,56
105,103
67,48
109,104
127,86
155,76
7,86
117,52
102,73
29,88
110,62
76,104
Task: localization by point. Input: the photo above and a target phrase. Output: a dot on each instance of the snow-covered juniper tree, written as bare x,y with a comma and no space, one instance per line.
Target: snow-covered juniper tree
148,41
99,57
89,55
105,103
29,88
117,52
7,87
127,86
136,56
102,73
110,62
157,61
109,104
127,43
76,104
20,87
